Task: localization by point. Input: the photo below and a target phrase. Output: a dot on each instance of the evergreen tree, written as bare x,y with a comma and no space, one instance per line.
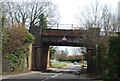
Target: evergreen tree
43,21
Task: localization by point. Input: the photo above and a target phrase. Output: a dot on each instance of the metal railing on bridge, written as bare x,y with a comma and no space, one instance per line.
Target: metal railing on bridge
66,27
71,27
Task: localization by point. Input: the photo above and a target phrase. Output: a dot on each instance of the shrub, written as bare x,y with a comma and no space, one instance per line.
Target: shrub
15,44
111,62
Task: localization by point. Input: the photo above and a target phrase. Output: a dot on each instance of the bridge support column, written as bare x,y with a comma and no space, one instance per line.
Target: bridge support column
40,58
37,58
48,59
39,50
44,57
90,60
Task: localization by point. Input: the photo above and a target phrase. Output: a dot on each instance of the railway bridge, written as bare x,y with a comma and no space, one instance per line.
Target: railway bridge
61,37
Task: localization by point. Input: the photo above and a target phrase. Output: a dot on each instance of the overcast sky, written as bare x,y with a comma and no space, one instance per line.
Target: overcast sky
69,8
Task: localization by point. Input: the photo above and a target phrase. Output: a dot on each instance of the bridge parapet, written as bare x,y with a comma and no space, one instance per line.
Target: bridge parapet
61,32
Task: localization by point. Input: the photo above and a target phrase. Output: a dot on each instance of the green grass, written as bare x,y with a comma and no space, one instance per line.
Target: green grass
55,64
83,64
58,65
66,61
63,65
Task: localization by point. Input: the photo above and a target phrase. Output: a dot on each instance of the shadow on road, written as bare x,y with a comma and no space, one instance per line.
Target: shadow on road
63,74
64,71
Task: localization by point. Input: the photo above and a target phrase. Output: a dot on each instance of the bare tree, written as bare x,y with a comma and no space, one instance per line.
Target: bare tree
66,52
110,23
91,15
75,51
27,13
99,16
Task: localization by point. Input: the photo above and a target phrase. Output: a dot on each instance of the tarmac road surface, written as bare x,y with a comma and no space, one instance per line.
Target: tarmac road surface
69,73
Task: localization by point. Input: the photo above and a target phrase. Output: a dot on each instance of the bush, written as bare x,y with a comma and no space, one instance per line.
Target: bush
16,39
111,62
17,61
15,46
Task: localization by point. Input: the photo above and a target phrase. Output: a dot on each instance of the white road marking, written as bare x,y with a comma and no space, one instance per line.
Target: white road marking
57,74
51,77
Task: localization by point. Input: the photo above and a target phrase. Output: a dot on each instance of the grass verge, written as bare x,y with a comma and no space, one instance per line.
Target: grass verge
59,65
55,64
83,64
66,61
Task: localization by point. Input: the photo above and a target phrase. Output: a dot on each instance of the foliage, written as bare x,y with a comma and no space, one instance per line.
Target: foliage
27,13
101,58
75,57
2,21
16,60
15,46
52,52
114,56
43,21
69,60
110,62
29,38
15,39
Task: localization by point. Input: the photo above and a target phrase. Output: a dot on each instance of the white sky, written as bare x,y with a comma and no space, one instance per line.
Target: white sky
69,49
68,8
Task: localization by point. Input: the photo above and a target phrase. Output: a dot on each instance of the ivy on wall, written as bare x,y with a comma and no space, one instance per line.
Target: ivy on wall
15,46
